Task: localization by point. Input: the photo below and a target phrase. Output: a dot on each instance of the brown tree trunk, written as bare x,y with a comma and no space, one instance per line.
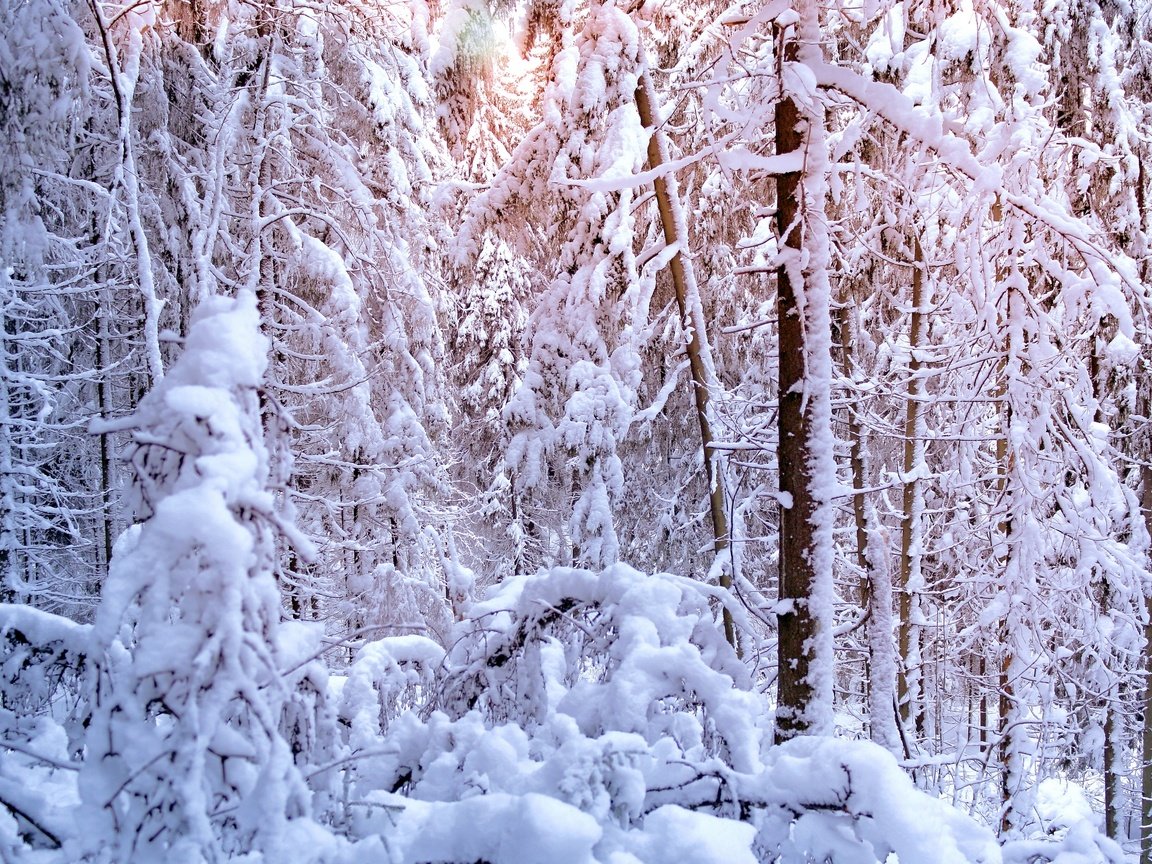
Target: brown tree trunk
1146,507
804,636
911,676
1145,456
794,688
692,321
1146,737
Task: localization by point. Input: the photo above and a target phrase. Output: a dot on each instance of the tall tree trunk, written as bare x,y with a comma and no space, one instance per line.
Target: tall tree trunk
1009,750
1113,724
104,412
804,455
875,589
1112,731
12,562
688,302
911,680
1146,737
847,326
1006,698
882,700
1145,390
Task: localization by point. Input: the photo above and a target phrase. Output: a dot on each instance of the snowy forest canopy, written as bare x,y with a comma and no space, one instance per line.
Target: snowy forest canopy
575,431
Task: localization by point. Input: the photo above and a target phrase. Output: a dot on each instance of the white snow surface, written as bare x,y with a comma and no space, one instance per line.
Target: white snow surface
581,717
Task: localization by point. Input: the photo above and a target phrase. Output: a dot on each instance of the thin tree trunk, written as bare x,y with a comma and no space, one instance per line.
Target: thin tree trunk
884,726
1006,700
1006,696
985,708
856,454
688,302
875,589
1113,725
124,78
1111,799
845,324
11,556
103,409
911,678
1146,507
1146,737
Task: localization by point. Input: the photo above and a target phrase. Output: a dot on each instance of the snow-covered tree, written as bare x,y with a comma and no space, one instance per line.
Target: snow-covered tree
52,552
185,757
836,311
577,397
336,212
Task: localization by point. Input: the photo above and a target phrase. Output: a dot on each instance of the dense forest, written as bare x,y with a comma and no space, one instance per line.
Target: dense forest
575,431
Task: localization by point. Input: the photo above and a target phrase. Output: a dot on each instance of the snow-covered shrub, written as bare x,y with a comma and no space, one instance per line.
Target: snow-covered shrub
1079,843
601,717
388,677
615,651
41,655
43,665
579,718
308,714
37,790
186,759
1067,830
825,799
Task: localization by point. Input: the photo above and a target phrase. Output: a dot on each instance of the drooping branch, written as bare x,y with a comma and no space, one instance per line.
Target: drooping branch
955,154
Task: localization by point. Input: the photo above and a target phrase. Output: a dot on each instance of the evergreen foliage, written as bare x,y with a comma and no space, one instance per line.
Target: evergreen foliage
566,431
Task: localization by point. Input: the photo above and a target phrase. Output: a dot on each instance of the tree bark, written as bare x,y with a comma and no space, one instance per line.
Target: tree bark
1145,390
1146,732
804,458
911,676
689,304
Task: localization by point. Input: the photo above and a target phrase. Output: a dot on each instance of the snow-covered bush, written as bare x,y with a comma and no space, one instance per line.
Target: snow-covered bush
388,677
43,667
186,759
1067,830
602,717
579,717
614,651
42,658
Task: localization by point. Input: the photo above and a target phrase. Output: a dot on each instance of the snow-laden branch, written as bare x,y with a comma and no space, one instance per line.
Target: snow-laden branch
899,111
620,182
